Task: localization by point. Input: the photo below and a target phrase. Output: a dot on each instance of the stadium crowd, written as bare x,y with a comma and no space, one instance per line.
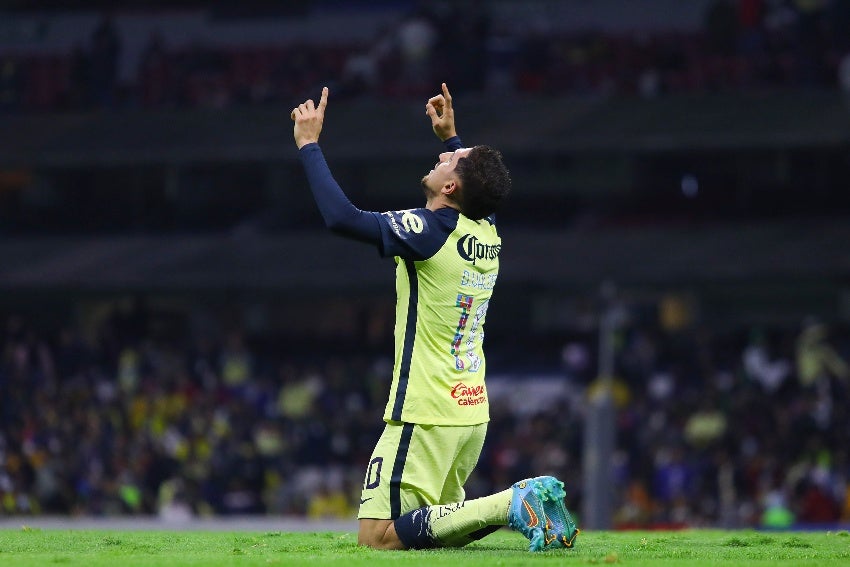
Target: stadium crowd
746,428
742,45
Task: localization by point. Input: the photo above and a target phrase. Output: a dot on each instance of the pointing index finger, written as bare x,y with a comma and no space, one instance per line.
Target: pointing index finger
323,102
447,96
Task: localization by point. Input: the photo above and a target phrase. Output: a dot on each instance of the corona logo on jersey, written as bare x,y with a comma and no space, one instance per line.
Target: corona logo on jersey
468,395
472,249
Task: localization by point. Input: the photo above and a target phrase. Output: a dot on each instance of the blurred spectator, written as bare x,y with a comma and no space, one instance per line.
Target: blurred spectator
416,40
770,374
79,95
155,74
776,513
844,74
361,73
818,507
104,60
534,59
672,479
817,361
721,27
838,16
298,395
236,362
330,501
750,22
706,426
173,502
811,40
11,83
845,509
636,509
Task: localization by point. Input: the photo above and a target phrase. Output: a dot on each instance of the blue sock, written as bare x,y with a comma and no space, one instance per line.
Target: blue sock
414,531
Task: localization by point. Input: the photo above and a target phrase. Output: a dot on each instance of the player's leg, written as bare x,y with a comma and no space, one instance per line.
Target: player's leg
453,525
534,507
413,494
396,457
455,521
481,516
412,467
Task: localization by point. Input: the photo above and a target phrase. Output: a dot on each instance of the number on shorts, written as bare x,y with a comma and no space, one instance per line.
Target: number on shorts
376,464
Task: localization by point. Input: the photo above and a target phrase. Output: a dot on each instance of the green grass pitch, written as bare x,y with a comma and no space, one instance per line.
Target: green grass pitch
91,548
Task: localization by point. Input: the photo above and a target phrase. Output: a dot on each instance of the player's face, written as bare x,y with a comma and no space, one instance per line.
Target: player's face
443,172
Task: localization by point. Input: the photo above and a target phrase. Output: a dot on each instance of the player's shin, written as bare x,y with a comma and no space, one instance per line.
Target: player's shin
453,525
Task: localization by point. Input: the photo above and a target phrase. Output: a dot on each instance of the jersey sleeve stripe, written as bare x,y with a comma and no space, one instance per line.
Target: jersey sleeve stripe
398,470
409,336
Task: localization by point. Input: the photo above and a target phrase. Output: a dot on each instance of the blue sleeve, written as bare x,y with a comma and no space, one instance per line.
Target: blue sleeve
417,234
453,143
340,215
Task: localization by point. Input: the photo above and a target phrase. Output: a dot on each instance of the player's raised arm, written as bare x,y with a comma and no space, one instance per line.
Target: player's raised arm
339,213
309,120
439,109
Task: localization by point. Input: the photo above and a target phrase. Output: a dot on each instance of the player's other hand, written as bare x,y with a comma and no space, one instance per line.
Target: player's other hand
439,109
308,120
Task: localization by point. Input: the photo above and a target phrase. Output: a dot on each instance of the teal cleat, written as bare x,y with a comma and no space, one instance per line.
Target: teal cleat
537,511
526,514
561,530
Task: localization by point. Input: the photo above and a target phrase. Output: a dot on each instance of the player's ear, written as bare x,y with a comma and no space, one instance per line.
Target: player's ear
449,187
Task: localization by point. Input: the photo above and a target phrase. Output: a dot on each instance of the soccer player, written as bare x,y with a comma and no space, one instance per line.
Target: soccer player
447,256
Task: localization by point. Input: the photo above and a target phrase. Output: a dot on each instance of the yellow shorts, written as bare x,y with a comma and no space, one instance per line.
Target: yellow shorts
417,465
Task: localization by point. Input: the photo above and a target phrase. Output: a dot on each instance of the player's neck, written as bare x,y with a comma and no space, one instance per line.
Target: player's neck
440,202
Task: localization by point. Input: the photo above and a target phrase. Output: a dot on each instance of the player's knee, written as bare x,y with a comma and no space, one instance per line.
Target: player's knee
379,542
374,543
378,534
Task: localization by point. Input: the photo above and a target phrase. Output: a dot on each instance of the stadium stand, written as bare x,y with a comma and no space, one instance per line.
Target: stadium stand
119,418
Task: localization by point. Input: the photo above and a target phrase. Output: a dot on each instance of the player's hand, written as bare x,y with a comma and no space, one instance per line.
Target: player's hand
439,109
309,119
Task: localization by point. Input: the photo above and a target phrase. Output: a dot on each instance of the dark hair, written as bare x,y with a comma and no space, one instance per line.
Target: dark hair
484,182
